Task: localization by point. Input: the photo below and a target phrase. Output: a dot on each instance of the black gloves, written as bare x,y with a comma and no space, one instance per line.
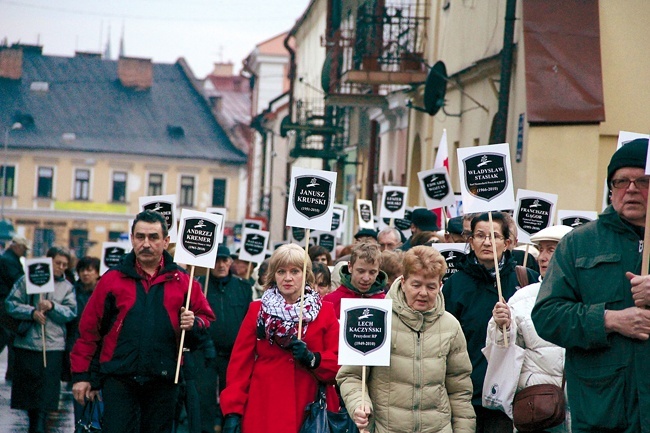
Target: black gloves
232,423
303,355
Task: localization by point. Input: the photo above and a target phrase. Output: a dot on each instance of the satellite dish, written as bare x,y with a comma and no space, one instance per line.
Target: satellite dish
435,88
285,126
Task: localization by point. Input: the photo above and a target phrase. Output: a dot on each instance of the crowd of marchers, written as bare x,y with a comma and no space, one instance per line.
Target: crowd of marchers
261,346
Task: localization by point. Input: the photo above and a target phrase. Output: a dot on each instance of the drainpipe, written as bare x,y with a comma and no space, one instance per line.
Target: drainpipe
292,69
500,123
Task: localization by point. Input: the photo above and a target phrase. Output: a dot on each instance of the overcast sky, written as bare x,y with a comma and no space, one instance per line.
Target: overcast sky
201,31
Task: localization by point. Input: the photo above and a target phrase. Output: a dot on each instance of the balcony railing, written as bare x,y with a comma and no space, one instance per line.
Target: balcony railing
321,131
378,52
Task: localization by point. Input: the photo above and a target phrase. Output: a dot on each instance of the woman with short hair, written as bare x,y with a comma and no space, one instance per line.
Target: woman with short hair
273,375
471,294
36,388
427,386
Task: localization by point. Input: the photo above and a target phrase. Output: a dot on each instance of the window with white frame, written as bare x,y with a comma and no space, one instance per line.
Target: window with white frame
45,182
187,191
81,184
155,184
119,186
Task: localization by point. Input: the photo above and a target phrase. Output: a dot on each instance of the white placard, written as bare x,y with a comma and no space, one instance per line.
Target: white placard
486,178
393,202
250,223
575,218
365,214
219,211
338,222
197,241
297,236
166,205
436,188
534,212
277,245
112,253
456,209
327,240
454,254
625,136
311,196
344,218
253,245
365,332
39,275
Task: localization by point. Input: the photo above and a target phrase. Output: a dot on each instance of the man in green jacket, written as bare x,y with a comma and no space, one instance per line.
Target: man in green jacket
594,303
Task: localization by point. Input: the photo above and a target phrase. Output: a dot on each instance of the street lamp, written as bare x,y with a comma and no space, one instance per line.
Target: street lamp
6,228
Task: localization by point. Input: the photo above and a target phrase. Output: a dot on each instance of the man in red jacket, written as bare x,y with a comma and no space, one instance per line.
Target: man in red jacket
361,277
130,331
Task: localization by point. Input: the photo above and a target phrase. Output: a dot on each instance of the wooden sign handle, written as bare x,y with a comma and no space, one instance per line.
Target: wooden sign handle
496,270
187,307
304,283
40,298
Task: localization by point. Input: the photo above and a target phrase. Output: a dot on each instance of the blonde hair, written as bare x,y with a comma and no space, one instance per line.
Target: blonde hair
392,264
425,260
289,255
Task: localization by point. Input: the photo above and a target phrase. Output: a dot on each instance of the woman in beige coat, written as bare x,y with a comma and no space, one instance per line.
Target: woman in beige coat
427,387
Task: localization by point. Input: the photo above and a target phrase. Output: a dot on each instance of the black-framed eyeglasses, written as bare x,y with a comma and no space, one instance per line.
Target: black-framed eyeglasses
640,183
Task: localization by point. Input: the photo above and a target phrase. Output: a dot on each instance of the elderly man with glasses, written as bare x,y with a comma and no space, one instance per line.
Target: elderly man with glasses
594,302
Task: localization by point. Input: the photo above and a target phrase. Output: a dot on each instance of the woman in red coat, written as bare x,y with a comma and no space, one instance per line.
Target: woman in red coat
272,375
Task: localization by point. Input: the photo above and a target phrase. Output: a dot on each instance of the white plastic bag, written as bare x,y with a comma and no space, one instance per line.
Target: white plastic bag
502,375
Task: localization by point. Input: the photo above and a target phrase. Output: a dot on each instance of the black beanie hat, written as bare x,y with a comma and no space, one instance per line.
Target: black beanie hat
631,154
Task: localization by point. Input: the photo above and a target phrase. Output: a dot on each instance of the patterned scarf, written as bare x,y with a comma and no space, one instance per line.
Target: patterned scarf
492,271
278,321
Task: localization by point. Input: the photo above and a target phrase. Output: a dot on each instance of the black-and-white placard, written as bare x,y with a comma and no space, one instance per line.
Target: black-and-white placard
311,196
486,178
337,220
575,218
327,240
39,275
534,212
436,186
364,336
277,245
366,214
112,253
454,254
250,223
343,209
401,224
393,202
297,236
253,245
219,211
197,240
166,205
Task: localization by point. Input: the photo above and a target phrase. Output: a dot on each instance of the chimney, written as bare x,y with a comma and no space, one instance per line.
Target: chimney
223,69
11,63
135,73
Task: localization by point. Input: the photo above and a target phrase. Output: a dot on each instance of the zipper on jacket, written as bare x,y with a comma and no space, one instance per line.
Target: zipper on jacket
417,400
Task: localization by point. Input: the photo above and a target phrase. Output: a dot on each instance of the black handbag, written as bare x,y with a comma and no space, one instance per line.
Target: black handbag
91,418
320,420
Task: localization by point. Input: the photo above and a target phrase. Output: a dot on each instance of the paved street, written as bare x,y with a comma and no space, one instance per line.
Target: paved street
15,421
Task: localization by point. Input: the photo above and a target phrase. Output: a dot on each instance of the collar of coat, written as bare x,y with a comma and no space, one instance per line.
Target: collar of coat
416,320
377,286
